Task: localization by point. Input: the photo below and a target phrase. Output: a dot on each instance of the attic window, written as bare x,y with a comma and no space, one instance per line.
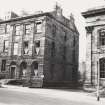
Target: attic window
2,29
7,28
27,29
17,30
38,27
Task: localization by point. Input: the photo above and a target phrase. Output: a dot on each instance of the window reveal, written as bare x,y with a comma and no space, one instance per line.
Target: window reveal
18,30
7,28
35,69
53,49
2,29
102,68
6,45
3,66
102,37
54,30
37,47
15,52
17,33
27,29
26,47
38,27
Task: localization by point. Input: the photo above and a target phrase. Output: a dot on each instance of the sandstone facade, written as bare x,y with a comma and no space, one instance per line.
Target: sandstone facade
40,49
95,25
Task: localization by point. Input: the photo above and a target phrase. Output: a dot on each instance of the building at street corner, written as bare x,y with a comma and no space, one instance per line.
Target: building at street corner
95,55
39,49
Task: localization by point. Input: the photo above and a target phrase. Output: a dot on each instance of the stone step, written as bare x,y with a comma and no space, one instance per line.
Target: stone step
60,84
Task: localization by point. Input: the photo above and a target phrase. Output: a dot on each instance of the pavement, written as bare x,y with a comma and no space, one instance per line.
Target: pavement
65,94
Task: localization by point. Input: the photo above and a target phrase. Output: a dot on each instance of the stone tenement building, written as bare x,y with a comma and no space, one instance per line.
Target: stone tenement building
39,49
95,56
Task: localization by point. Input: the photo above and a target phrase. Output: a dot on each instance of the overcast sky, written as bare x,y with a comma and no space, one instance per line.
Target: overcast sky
69,6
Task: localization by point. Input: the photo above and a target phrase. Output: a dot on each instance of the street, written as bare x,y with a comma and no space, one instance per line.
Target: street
11,96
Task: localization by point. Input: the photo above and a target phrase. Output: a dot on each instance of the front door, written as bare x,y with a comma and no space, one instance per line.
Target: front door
13,72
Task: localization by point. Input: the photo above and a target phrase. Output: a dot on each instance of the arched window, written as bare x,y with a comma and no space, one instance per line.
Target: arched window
102,68
102,37
34,71
23,69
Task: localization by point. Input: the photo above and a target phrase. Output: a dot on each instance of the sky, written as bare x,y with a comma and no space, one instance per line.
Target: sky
69,6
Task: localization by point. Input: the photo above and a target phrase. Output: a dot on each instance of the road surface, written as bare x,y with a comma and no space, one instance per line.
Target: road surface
11,97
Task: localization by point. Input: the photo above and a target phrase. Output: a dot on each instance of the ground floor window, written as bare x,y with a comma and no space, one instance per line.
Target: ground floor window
23,69
102,68
3,66
34,71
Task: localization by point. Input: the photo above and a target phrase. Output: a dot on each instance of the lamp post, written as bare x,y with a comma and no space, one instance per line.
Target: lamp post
98,80
98,74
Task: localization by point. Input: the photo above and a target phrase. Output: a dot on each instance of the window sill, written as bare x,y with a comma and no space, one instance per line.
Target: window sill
38,32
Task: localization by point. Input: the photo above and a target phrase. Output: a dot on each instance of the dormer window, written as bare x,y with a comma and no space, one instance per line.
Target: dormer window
102,37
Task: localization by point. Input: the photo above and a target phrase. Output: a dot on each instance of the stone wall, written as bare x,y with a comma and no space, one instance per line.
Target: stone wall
94,22
63,65
57,55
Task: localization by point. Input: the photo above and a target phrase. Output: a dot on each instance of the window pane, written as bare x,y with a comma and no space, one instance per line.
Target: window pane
53,49
37,43
39,27
54,30
18,27
18,30
2,29
27,29
102,37
15,49
26,47
7,28
6,44
16,39
3,66
102,68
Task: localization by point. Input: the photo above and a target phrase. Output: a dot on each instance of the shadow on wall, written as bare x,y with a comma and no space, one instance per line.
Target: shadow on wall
81,78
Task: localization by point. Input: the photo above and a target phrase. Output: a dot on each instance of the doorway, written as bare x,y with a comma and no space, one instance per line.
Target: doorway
12,70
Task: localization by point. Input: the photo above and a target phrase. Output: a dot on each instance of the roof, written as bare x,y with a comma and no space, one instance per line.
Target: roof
39,15
25,17
94,12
